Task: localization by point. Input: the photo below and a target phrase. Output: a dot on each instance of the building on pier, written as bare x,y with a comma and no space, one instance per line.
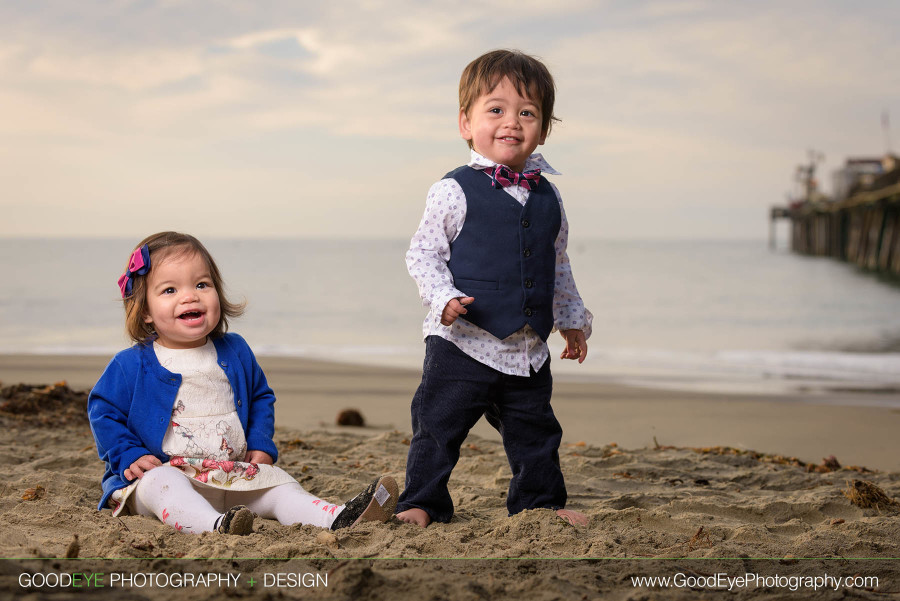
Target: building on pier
860,223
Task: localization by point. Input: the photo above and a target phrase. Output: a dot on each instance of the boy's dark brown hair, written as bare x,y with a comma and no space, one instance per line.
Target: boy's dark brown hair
527,73
162,246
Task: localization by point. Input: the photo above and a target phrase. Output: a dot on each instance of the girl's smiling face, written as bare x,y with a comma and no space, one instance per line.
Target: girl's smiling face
182,304
503,126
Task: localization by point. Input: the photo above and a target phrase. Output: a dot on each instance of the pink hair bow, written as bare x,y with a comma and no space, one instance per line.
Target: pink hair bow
139,264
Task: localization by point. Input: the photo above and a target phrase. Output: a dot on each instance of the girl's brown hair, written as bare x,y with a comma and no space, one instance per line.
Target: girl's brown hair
531,78
162,246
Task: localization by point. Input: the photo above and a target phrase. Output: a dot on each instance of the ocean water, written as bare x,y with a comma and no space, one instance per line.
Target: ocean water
704,315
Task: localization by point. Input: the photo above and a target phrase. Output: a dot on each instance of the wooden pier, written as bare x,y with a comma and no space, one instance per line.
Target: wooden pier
863,228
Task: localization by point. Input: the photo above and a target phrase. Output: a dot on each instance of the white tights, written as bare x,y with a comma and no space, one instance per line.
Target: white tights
166,493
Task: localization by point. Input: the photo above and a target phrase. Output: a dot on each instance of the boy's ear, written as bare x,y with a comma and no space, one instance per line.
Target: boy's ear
465,127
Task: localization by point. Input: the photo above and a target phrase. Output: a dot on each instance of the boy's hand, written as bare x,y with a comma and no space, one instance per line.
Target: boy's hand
576,345
258,457
455,308
143,464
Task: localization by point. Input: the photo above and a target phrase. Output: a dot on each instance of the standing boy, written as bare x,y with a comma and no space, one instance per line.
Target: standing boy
490,261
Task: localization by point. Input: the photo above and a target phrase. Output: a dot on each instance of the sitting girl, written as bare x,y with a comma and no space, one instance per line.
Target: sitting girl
184,418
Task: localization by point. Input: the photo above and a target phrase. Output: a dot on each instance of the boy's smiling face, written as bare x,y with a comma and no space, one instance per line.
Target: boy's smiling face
503,125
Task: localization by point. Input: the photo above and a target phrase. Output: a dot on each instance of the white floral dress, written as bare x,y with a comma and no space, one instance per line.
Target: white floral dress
205,437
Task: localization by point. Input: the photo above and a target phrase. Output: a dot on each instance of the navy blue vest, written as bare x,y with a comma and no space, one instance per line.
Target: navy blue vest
505,255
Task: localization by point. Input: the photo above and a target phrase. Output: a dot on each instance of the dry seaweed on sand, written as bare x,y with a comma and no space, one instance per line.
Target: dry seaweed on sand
293,444
350,417
829,464
43,405
867,495
700,539
33,494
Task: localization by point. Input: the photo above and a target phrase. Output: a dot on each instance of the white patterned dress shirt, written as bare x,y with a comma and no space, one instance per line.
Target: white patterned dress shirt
427,257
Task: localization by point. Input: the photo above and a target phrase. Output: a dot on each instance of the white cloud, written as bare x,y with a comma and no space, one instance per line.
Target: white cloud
136,71
304,37
188,99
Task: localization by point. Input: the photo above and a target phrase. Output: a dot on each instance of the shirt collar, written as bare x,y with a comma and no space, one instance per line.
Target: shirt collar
535,161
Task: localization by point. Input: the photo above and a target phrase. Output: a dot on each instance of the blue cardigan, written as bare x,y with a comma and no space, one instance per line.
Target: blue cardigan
130,407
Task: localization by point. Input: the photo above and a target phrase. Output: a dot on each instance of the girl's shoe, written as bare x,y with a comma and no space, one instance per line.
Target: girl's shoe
375,504
237,520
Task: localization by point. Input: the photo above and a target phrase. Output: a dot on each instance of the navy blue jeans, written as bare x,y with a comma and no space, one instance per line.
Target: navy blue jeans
456,390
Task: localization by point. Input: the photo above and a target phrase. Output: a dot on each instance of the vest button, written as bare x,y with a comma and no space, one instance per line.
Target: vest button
526,223
529,283
527,252
528,311
239,402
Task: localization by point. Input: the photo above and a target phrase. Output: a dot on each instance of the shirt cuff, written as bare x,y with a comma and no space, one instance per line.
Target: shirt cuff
443,297
581,322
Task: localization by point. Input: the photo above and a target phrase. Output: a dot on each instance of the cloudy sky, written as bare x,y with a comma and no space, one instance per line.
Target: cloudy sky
290,118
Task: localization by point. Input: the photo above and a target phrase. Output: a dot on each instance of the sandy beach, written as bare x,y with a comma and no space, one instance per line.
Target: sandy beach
672,482
812,426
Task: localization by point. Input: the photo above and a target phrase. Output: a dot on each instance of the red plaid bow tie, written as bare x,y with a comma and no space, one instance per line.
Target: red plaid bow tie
502,177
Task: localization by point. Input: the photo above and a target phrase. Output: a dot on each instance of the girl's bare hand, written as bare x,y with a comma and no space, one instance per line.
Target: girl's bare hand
258,457
143,464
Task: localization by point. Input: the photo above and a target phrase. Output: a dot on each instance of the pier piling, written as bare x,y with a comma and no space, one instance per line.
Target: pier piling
862,227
